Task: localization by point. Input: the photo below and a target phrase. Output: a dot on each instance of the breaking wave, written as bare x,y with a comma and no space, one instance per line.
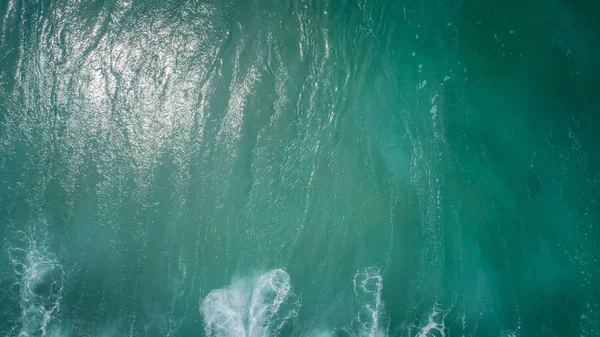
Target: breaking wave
251,307
263,306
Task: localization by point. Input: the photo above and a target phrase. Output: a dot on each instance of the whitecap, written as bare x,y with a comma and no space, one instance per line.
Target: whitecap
257,307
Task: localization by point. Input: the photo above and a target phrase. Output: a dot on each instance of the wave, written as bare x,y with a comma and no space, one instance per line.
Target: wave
251,308
263,306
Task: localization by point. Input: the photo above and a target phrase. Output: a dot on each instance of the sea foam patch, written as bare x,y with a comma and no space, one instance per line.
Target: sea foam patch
250,307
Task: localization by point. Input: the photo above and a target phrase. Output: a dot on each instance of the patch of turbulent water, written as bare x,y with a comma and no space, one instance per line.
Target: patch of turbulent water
251,307
369,319
40,279
262,306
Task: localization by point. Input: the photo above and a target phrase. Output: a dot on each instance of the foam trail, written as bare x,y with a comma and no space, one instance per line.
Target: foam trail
40,278
270,293
369,320
433,326
250,308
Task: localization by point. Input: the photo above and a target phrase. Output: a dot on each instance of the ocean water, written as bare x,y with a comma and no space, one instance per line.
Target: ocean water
324,168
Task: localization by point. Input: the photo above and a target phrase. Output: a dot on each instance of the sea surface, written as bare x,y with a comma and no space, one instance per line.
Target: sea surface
301,168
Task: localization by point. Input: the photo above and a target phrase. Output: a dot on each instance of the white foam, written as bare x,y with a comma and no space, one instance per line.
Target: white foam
433,325
223,311
250,307
433,110
270,293
369,320
40,277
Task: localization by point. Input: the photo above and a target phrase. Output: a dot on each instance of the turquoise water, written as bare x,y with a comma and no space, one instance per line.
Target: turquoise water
299,168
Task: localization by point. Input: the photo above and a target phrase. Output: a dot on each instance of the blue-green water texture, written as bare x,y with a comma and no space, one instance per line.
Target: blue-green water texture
299,168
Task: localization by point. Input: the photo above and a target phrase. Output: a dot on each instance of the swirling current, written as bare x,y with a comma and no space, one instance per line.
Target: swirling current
304,168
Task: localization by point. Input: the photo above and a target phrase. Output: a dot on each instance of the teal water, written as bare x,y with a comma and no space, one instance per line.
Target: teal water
299,168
